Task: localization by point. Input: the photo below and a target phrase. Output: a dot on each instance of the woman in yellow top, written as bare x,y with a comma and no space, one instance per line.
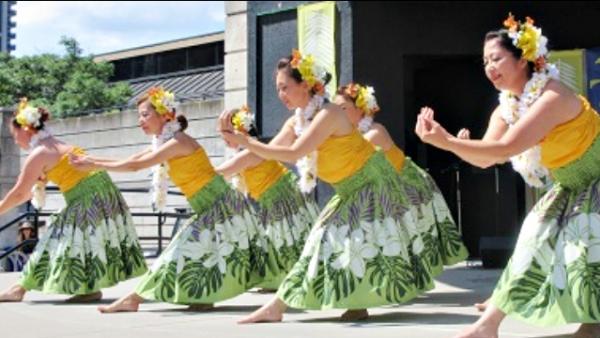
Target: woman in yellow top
211,258
285,214
548,133
442,244
358,253
91,243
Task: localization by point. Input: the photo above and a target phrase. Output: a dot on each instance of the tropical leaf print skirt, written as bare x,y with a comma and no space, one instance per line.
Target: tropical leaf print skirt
441,240
553,276
89,245
212,257
364,249
285,216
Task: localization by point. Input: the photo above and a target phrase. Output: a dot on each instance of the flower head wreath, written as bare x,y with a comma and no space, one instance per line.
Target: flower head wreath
163,101
314,75
27,116
529,39
243,119
363,97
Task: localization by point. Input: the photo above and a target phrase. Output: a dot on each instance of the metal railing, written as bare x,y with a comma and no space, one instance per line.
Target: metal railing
179,215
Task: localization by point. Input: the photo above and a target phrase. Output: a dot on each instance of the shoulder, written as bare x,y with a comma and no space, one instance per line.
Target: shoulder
331,111
558,98
182,144
379,136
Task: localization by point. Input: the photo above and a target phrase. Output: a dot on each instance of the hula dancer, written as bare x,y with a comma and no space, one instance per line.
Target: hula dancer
91,243
547,132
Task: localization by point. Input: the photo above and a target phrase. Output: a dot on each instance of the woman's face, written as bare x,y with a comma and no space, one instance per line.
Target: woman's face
501,67
21,136
149,120
291,93
26,233
354,114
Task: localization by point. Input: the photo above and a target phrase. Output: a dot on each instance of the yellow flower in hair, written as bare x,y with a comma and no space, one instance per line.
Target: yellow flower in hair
26,115
243,120
364,98
163,101
312,74
529,39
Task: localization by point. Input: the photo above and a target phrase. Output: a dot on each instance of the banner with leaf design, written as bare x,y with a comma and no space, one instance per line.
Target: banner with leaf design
571,67
592,63
316,36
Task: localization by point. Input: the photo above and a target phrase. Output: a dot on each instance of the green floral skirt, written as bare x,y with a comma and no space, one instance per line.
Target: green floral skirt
214,256
89,245
432,217
285,217
553,276
364,250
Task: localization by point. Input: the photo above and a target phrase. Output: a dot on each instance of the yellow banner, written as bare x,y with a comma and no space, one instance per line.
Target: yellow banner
316,36
570,64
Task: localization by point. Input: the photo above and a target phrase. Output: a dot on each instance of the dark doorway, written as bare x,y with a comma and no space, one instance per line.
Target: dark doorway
488,202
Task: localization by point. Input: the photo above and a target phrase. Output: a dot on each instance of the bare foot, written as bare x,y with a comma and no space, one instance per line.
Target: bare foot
200,307
270,312
354,315
588,331
13,294
482,306
478,331
129,303
87,298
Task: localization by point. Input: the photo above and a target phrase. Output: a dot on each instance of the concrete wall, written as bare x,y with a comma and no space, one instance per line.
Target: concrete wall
118,136
236,54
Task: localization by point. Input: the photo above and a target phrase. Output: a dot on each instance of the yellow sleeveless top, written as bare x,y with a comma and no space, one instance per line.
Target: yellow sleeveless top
261,177
340,157
396,157
64,175
192,172
568,141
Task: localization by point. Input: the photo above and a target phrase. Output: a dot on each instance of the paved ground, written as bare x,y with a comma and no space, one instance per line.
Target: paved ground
440,313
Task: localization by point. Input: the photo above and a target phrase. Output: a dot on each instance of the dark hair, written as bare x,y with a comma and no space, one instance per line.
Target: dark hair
285,65
343,92
507,43
183,122
45,116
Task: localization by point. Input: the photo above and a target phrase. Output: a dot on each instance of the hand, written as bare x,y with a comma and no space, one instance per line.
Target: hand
429,130
232,137
82,163
224,125
464,134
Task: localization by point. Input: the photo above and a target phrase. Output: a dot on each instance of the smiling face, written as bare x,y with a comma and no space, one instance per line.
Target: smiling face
354,114
292,94
149,120
502,68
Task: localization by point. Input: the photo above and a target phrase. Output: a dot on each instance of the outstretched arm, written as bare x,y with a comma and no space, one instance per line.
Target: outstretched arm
324,124
170,149
242,160
550,110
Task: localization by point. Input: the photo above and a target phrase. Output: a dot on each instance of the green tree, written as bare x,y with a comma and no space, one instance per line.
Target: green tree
67,84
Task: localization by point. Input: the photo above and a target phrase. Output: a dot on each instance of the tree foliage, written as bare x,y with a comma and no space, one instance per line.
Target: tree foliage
67,85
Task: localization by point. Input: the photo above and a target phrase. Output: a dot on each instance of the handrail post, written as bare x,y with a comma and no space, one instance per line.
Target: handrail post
160,236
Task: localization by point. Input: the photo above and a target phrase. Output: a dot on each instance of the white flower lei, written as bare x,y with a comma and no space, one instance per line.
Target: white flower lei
307,165
38,191
160,176
528,163
364,125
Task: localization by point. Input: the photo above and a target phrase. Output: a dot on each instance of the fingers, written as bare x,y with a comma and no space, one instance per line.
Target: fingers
464,134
